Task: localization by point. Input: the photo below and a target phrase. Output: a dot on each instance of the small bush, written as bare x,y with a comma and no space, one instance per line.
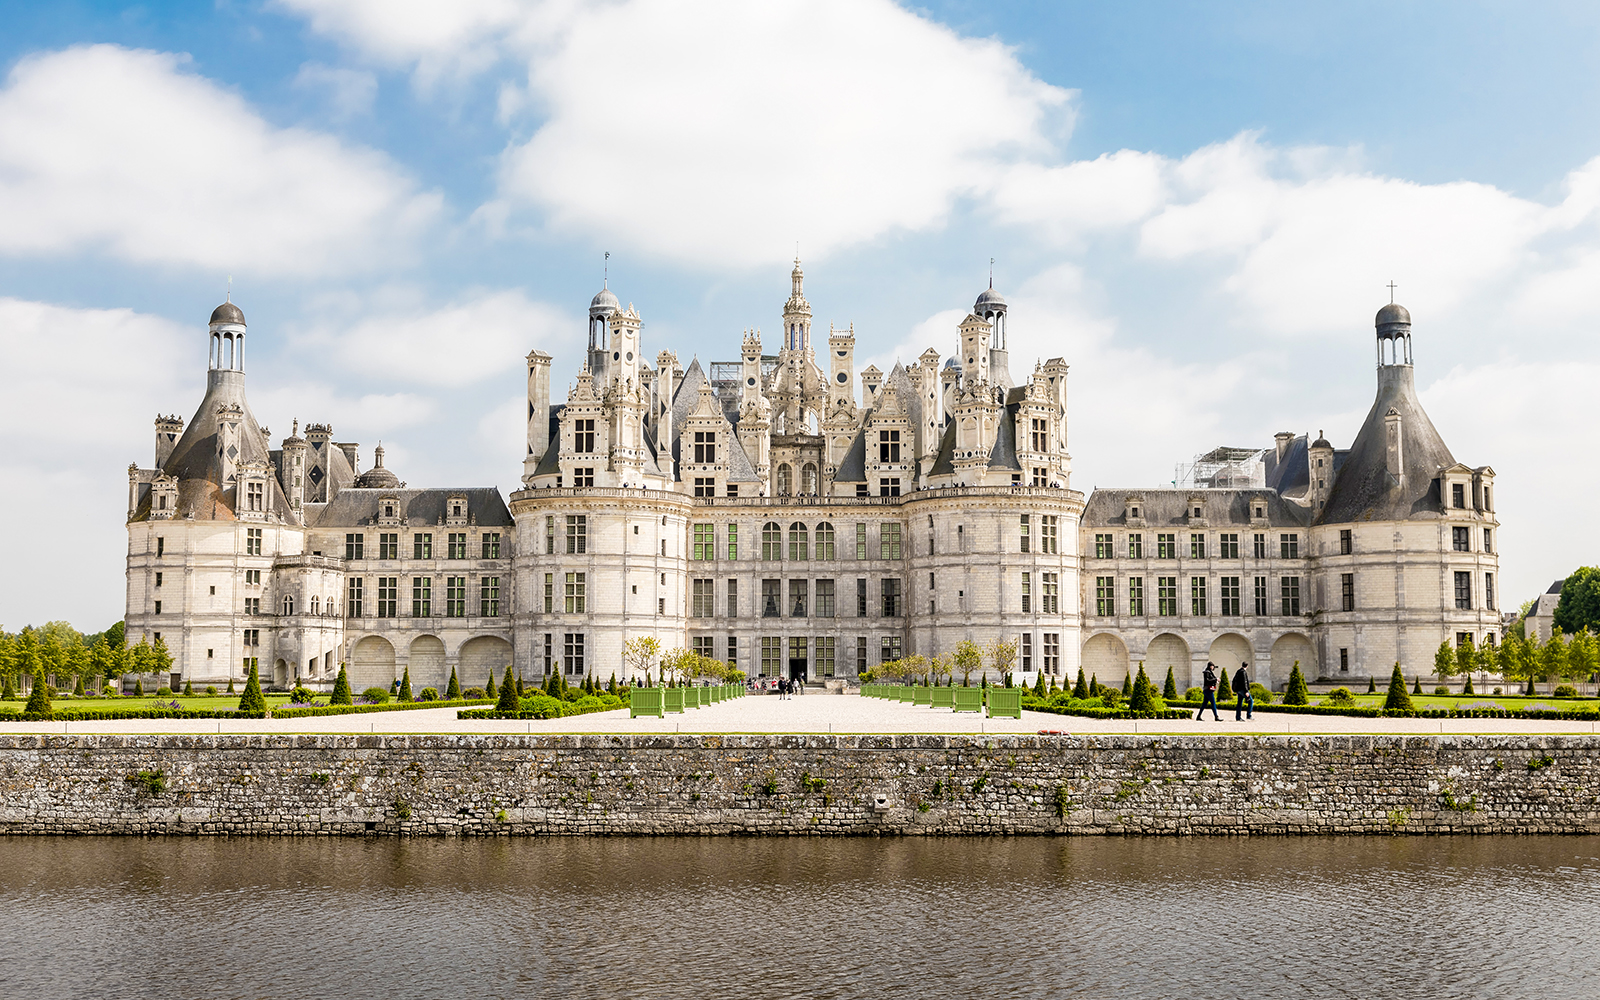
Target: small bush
1398,700
251,700
163,692
39,701
405,685
1296,693
341,689
302,695
453,689
540,706
1498,691
474,694
188,688
1109,696
1441,691
211,690
1417,687
1194,694
1340,696
138,688
1262,693
1372,685
1565,691
377,696
428,694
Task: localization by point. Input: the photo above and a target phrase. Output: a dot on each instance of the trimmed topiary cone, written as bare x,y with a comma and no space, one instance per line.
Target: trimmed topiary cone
230,685
1080,690
252,700
188,689
489,690
1127,685
39,701
1142,699
1224,687
1418,688
341,689
508,694
405,685
452,691
1466,689
1169,690
138,688
8,692
1398,700
1372,685
1296,692
77,688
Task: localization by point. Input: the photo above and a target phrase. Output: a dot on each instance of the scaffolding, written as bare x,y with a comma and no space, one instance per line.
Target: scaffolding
1223,468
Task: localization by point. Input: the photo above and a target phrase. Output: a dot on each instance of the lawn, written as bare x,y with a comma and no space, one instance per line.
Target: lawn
1424,701
221,702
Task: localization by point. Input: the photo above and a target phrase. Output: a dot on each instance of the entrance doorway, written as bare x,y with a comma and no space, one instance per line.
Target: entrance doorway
797,658
797,669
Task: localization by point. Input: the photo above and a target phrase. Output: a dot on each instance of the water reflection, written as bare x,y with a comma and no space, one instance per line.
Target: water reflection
718,917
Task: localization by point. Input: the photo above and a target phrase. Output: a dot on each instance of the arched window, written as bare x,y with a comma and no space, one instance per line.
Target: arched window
797,543
808,479
824,540
288,604
785,480
316,604
771,541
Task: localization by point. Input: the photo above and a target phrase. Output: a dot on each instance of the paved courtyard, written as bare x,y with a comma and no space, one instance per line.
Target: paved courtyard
811,713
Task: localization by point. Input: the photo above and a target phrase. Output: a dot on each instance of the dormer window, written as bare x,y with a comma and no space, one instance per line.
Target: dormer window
1198,512
455,508
388,510
1135,512
1458,495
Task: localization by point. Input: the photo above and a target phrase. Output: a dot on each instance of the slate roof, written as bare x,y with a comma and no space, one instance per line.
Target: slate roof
1363,490
354,506
944,461
853,467
1004,453
1170,508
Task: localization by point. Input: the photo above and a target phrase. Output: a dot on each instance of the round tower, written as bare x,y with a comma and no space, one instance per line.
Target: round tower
227,338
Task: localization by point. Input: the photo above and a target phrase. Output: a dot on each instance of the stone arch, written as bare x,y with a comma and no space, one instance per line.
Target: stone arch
1286,650
371,663
1105,658
480,655
1229,650
426,663
785,479
809,482
280,674
1167,651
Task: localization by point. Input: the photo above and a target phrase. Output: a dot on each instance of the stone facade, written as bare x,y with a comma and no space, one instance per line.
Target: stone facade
796,785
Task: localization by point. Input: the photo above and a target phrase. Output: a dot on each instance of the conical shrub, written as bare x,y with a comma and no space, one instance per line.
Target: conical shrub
1296,692
39,701
1224,689
1466,689
341,689
1417,688
452,691
8,692
230,685
1398,700
489,688
1080,690
77,689
1127,685
252,700
138,687
508,694
188,688
1372,685
1169,690
1142,697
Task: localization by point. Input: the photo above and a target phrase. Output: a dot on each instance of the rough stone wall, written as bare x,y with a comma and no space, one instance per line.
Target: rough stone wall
797,785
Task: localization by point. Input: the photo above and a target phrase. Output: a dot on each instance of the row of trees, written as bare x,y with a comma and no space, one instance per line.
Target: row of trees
644,653
67,656
1558,658
967,658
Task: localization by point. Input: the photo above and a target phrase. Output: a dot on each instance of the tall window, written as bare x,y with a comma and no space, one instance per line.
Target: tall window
861,598
1047,533
1166,595
733,598
1228,546
583,436
491,545
353,603
421,597
824,648
771,596
1102,547
1136,546
455,597
389,545
891,597
577,534
1458,495
771,541
550,535
861,541
799,592
733,542
1052,652
1197,595
705,486
703,598
576,585
705,542
808,479
824,604
353,546
1105,595
1488,540
733,652
889,541
1049,593
1347,591
1289,590
1166,545
1023,538
704,645
771,655
1039,435
824,540
253,496
458,545
888,446
1197,546
705,447
1260,545
549,593
798,546
1027,652
1463,590
1228,593
1027,592
422,546
1461,539
889,648
1289,546
785,480
861,653
388,596
572,653
489,597
1488,591
1261,595
252,542
1136,595
1347,541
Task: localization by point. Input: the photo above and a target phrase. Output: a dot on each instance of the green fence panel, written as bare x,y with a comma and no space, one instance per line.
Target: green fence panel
645,701
966,699
908,693
1005,702
672,699
919,695
942,697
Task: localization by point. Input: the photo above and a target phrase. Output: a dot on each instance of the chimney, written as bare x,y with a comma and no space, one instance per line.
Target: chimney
538,412
167,431
1394,447
1284,439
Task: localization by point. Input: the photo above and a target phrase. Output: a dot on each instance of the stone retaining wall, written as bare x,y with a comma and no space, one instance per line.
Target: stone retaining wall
797,785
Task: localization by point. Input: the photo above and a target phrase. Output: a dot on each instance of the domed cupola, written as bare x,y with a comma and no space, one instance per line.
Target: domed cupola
991,308
603,304
1393,324
377,477
226,329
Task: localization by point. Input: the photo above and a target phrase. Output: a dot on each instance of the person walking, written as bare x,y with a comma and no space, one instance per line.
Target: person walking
1247,698
1209,683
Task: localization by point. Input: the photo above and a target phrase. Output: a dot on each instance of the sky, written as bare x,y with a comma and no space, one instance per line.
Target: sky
1198,206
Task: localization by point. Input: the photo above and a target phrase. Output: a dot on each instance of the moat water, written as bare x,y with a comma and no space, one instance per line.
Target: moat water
710,918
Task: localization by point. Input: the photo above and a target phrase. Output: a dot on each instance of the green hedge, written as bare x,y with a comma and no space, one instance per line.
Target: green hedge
1087,710
79,715
393,706
1582,713
542,706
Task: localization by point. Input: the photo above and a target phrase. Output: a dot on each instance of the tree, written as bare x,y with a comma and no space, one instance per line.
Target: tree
940,667
1516,658
507,701
1444,660
1003,657
1224,688
1038,685
405,685
341,689
1416,687
102,660
640,652
252,700
7,691
1169,690
675,663
160,661
968,657
1080,690
1553,657
1583,656
1295,693
1579,605
1127,685
1398,700
1142,699
39,701
1466,656
452,691
489,689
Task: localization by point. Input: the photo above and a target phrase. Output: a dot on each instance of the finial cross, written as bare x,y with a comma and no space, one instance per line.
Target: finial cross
1391,291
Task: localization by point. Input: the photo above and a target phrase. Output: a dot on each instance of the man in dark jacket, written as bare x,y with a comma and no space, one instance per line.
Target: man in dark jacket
1209,684
1241,687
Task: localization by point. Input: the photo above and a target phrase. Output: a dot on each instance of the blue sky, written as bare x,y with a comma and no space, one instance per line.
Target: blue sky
1197,205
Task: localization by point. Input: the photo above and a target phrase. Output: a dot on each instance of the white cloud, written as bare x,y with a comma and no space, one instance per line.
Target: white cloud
350,92
477,337
123,152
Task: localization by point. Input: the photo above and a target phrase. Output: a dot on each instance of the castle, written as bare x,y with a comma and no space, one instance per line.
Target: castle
760,512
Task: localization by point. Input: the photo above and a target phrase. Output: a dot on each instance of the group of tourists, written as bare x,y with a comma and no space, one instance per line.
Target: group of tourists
785,687
1245,708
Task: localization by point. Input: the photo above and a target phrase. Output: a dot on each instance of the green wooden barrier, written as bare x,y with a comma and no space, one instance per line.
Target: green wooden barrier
691,697
1005,702
942,697
908,694
966,699
919,695
672,699
645,701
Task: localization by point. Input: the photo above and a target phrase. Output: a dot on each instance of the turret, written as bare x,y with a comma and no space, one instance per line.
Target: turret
841,365
975,334
624,358
601,309
871,379
538,412
797,314
167,431
295,466
1321,462
227,337
991,308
